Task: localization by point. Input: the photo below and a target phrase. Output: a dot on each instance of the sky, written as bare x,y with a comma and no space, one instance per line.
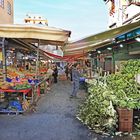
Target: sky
82,17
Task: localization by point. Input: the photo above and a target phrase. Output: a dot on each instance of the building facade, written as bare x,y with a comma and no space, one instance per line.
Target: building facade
6,11
35,19
124,46
122,12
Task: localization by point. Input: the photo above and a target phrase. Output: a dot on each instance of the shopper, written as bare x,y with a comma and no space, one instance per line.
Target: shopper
75,79
70,71
49,75
67,71
55,73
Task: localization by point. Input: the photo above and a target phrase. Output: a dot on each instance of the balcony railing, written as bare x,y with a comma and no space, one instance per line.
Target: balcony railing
137,2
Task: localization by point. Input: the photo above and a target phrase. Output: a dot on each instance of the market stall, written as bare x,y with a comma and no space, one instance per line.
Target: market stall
112,105
21,77
24,64
113,99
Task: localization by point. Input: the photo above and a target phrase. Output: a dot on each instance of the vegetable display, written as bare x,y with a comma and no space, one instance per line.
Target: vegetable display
98,112
106,94
21,86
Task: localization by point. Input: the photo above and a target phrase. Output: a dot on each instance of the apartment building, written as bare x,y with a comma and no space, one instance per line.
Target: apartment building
35,19
6,11
122,12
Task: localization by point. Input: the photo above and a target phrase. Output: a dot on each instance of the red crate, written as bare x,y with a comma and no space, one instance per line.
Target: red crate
126,127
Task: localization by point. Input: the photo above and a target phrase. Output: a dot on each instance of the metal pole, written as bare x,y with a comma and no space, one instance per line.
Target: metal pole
37,60
37,70
113,61
3,59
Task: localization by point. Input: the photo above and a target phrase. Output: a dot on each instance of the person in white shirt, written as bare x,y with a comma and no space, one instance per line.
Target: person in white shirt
49,75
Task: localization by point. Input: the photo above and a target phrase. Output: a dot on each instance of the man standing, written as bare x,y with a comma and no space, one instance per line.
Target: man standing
75,79
49,75
55,73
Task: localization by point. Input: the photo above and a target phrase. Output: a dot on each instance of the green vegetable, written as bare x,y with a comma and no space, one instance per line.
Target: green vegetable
115,90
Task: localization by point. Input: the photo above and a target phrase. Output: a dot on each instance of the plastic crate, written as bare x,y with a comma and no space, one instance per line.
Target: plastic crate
8,79
82,79
126,127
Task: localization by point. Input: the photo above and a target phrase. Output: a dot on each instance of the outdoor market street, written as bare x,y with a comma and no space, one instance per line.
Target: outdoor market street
54,119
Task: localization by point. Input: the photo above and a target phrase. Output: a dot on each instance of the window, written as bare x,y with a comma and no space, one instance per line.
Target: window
2,3
9,10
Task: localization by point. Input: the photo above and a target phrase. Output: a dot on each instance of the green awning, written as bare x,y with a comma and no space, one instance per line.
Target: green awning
99,40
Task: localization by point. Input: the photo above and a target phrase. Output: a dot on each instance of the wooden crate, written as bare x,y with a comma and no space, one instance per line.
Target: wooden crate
126,126
125,114
62,77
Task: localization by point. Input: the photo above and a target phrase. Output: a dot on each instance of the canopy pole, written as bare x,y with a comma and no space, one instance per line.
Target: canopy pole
37,60
83,59
37,72
113,61
3,59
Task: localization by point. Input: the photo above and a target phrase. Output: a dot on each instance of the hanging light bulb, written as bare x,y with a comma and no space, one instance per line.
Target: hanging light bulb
137,39
98,51
109,48
121,45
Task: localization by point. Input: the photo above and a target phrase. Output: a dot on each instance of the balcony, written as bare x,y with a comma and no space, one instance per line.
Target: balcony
137,2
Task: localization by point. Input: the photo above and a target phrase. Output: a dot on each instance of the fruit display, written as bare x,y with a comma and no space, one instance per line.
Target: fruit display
14,72
19,80
5,85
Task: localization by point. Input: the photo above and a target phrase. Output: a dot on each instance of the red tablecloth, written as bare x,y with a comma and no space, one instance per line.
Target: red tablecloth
25,91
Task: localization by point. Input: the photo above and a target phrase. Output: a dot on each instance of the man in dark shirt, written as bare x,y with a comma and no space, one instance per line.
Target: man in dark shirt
55,73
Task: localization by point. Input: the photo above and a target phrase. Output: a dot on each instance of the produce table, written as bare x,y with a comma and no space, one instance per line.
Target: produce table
24,91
